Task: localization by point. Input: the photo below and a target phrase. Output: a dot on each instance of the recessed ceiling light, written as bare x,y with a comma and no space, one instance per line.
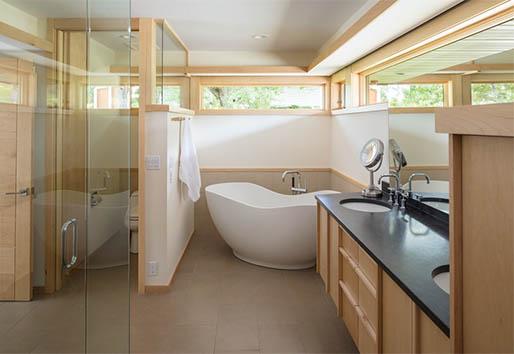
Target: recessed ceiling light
260,36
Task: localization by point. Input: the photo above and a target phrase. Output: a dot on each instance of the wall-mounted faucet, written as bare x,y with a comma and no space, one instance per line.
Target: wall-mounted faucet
296,181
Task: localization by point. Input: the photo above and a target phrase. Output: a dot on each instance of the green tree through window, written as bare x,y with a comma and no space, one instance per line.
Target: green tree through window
488,93
262,97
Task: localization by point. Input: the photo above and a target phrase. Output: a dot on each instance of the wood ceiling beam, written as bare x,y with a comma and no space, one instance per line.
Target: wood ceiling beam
218,70
25,37
379,8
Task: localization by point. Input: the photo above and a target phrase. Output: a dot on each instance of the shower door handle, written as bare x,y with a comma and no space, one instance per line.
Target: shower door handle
64,231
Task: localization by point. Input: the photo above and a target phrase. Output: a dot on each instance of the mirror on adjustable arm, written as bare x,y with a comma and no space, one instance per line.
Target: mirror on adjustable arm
475,70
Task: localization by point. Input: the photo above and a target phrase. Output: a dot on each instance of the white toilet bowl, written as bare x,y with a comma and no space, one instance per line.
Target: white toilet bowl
132,221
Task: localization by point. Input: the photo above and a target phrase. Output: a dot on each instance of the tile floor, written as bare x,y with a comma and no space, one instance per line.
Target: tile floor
219,304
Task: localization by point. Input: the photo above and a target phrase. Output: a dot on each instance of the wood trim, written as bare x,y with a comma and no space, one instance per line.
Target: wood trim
25,37
198,82
262,169
264,112
167,27
147,77
410,110
361,109
166,108
492,120
366,19
97,24
456,283
247,69
348,179
161,289
219,70
461,21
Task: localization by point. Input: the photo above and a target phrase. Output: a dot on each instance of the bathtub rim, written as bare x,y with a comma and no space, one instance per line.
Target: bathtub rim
310,203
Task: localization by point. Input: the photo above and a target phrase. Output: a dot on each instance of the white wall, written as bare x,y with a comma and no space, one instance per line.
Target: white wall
169,213
349,133
415,133
262,141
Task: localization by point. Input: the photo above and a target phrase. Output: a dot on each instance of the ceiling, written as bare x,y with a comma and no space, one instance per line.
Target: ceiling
223,25
492,46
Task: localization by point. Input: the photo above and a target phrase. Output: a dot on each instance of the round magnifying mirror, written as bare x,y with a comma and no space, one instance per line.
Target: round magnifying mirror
372,153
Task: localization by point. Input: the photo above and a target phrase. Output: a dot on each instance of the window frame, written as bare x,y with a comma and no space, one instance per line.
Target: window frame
487,78
442,79
199,82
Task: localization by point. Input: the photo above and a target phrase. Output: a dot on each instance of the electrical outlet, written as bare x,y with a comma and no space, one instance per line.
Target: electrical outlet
153,268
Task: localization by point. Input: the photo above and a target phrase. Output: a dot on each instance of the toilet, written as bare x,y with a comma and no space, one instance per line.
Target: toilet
132,221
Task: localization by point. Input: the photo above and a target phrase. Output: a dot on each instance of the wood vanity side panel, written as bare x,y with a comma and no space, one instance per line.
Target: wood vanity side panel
334,261
488,244
397,316
323,246
431,340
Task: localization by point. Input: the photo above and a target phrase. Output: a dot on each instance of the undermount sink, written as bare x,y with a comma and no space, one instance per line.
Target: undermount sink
438,203
441,276
367,205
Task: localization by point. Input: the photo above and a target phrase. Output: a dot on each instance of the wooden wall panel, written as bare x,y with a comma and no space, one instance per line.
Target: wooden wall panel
488,244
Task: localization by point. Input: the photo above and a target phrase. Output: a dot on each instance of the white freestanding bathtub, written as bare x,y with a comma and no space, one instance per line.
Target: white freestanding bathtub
263,227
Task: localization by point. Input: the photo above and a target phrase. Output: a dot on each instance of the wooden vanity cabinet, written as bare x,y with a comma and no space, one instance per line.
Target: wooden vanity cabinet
379,315
322,242
481,226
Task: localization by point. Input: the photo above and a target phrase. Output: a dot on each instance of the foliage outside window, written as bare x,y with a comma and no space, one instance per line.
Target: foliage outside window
262,97
407,95
8,92
169,95
492,92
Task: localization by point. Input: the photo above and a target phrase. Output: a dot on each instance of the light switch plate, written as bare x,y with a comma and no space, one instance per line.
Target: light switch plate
153,162
153,268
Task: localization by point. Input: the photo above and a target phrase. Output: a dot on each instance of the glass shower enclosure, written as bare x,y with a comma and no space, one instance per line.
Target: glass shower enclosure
65,128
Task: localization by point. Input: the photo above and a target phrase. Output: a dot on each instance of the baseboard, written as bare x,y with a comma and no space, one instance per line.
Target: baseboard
161,289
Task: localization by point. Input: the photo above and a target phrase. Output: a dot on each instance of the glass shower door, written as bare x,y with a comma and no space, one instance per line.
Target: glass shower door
108,177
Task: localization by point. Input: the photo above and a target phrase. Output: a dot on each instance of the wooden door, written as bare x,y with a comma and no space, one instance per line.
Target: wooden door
16,119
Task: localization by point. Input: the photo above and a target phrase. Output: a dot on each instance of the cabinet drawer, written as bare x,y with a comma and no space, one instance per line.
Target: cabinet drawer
350,317
367,336
369,267
368,303
350,246
349,276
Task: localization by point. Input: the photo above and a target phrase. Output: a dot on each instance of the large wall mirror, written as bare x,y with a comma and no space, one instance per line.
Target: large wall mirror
475,70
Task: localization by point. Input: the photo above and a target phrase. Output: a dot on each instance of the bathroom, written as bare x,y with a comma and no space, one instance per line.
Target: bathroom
289,176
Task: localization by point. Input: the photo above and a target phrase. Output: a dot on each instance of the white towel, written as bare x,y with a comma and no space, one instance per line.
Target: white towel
189,172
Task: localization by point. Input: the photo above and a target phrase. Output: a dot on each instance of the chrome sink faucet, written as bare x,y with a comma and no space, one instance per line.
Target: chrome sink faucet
394,194
296,187
414,175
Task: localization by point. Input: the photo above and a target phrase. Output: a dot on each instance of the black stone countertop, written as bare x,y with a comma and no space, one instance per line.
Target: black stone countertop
408,246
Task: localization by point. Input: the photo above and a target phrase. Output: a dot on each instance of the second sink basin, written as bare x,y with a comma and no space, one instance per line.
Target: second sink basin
441,276
366,205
